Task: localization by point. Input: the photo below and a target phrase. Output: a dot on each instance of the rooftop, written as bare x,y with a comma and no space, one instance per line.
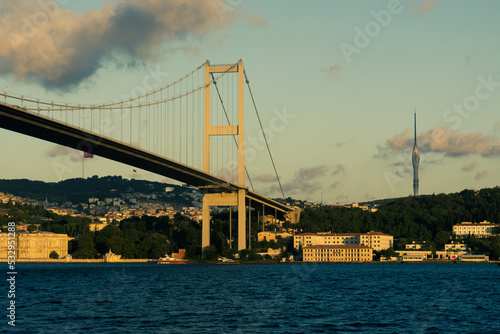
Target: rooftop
342,234
338,247
475,224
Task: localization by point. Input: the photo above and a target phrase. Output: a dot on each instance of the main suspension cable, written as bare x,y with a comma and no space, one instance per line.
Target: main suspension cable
264,134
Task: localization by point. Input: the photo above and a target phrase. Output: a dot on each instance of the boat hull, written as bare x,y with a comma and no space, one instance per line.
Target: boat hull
172,261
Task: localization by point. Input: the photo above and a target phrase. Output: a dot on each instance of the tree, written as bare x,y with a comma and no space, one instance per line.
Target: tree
402,243
388,253
442,237
53,255
210,253
104,235
85,247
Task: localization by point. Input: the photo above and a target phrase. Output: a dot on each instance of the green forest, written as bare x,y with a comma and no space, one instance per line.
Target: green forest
426,218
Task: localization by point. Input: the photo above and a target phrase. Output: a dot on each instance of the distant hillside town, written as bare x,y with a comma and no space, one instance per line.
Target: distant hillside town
115,218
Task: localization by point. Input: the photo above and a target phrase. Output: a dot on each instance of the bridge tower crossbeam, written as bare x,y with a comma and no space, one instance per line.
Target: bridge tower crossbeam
222,196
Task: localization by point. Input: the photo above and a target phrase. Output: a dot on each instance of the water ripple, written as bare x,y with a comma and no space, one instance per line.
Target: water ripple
279,298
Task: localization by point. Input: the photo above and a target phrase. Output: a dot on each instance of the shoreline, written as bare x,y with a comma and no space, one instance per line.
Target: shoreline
123,261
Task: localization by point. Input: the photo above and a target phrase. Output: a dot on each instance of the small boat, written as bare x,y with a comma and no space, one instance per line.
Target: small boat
175,258
170,259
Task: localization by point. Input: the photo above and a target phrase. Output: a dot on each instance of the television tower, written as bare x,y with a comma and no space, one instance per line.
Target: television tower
415,158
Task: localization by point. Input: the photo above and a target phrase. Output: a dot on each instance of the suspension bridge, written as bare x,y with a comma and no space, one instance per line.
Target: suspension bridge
191,130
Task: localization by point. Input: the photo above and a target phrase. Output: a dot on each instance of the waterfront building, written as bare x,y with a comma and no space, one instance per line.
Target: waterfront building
410,255
272,235
474,258
413,257
337,253
455,246
376,240
415,245
96,227
483,229
111,257
35,245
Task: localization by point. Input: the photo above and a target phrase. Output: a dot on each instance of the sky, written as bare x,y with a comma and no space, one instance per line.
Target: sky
342,79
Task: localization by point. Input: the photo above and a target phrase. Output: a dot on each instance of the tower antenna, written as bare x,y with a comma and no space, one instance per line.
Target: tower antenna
415,124
415,158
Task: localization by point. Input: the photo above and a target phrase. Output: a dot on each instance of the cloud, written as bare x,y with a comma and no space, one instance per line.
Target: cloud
335,185
61,48
304,174
299,187
58,151
256,21
469,168
304,181
339,169
443,140
492,150
66,153
265,178
401,141
423,7
332,70
481,175
341,143
398,143
453,143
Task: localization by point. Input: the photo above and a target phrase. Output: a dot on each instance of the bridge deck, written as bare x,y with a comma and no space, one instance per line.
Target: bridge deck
19,120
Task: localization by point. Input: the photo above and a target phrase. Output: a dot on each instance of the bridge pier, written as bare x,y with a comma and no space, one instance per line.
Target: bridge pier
241,220
235,198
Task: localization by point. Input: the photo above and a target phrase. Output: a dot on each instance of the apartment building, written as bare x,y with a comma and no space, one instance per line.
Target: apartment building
337,253
376,240
483,229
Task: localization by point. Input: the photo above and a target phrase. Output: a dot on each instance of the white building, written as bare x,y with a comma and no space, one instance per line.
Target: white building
415,245
455,246
483,229
376,240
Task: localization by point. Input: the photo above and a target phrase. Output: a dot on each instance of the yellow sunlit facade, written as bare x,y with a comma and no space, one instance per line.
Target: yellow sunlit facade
376,240
337,253
35,245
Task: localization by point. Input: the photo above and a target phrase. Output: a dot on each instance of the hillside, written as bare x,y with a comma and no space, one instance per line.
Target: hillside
80,190
424,218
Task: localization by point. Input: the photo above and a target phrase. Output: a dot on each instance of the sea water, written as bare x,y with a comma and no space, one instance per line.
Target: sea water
256,298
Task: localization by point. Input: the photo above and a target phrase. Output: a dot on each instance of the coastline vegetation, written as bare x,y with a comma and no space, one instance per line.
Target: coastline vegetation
426,218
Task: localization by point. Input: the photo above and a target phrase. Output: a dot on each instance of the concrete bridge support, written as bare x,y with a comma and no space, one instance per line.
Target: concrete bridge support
224,199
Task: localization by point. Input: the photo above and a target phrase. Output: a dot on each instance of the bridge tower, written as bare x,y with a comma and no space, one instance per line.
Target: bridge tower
223,196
